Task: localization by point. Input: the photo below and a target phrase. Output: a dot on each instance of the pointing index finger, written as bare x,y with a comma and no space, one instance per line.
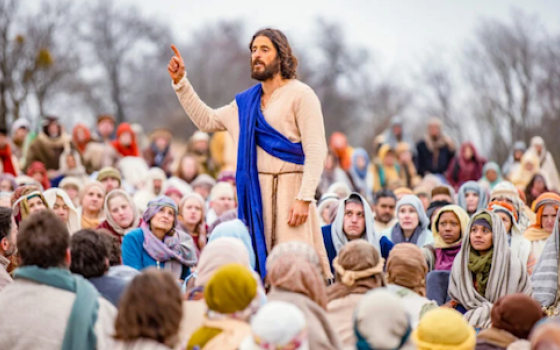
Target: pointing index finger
176,51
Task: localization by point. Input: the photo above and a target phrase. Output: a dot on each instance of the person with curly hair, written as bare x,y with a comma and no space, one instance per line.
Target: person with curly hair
278,128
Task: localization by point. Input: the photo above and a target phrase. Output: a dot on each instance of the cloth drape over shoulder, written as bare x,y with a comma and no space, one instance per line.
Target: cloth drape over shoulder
507,275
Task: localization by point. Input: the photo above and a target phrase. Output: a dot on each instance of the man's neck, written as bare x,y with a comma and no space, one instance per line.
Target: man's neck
270,85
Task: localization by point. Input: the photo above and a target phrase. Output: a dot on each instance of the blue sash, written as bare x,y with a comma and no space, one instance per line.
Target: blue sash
255,131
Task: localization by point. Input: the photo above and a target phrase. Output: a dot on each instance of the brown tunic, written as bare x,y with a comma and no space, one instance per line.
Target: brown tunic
295,111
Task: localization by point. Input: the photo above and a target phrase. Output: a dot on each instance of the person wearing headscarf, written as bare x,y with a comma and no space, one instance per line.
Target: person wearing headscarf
59,201
232,299
218,253
199,148
382,322
125,144
7,183
535,188
513,316
466,166
19,140
110,177
485,270
159,153
353,221
326,203
332,173
546,208
435,151
448,227
70,165
38,171
401,192
358,270
444,329
121,215
385,172
236,229
341,189
92,200
527,170
27,200
412,225
157,242
277,325
81,136
223,151
154,185
359,173
491,176
295,275
203,185
472,197
73,188
222,199
338,144
506,191
192,218
519,246
546,162
408,173
546,277
406,273
514,160
49,144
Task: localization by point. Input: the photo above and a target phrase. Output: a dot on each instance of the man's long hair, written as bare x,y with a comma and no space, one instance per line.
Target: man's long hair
288,62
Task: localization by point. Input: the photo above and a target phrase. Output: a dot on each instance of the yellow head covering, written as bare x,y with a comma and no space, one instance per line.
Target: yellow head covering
444,329
463,220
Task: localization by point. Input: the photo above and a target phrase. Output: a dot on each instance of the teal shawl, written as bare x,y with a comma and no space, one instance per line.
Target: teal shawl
79,332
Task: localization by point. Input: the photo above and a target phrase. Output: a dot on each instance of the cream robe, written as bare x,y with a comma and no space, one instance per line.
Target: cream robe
295,111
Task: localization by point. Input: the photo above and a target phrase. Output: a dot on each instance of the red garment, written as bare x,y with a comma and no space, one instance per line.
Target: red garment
38,167
126,151
6,155
461,170
338,144
81,146
105,225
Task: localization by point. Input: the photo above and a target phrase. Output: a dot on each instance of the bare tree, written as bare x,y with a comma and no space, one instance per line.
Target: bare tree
502,65
119,39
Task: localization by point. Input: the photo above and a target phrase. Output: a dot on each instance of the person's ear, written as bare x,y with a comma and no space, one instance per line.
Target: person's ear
4,244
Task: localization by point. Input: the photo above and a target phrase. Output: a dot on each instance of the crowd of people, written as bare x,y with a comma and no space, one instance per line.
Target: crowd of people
119,243
115,240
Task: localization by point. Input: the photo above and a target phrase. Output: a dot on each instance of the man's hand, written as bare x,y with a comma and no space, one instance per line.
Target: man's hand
298,213
176,66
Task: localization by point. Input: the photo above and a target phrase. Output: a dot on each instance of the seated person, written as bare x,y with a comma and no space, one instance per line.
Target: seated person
354,220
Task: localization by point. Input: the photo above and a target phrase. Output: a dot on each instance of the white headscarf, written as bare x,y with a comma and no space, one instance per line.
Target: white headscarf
74,222
136,219
337,229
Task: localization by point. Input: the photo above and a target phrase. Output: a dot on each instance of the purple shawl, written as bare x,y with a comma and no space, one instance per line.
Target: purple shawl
175,250
445,257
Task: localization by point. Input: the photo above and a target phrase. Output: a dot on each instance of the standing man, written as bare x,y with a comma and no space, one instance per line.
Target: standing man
278,129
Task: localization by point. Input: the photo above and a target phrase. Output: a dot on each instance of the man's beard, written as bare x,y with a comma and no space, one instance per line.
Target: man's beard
269,70
384,218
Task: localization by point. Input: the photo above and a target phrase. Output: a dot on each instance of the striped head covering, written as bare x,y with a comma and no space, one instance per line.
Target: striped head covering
536,232
156,205
545,276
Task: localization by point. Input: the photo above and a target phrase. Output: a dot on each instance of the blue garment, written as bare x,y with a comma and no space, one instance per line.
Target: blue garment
134,254
254,130
384,243
110,288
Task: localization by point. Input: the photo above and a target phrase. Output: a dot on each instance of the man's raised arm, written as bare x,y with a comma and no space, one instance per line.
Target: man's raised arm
205,118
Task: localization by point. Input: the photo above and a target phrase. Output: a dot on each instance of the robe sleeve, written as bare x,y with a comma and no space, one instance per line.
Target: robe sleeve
309,118
205,118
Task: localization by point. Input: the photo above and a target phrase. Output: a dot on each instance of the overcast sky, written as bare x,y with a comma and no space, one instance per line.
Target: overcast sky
397,31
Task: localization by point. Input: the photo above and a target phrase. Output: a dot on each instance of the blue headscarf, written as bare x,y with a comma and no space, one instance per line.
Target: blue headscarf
492,166
360,152
236,229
